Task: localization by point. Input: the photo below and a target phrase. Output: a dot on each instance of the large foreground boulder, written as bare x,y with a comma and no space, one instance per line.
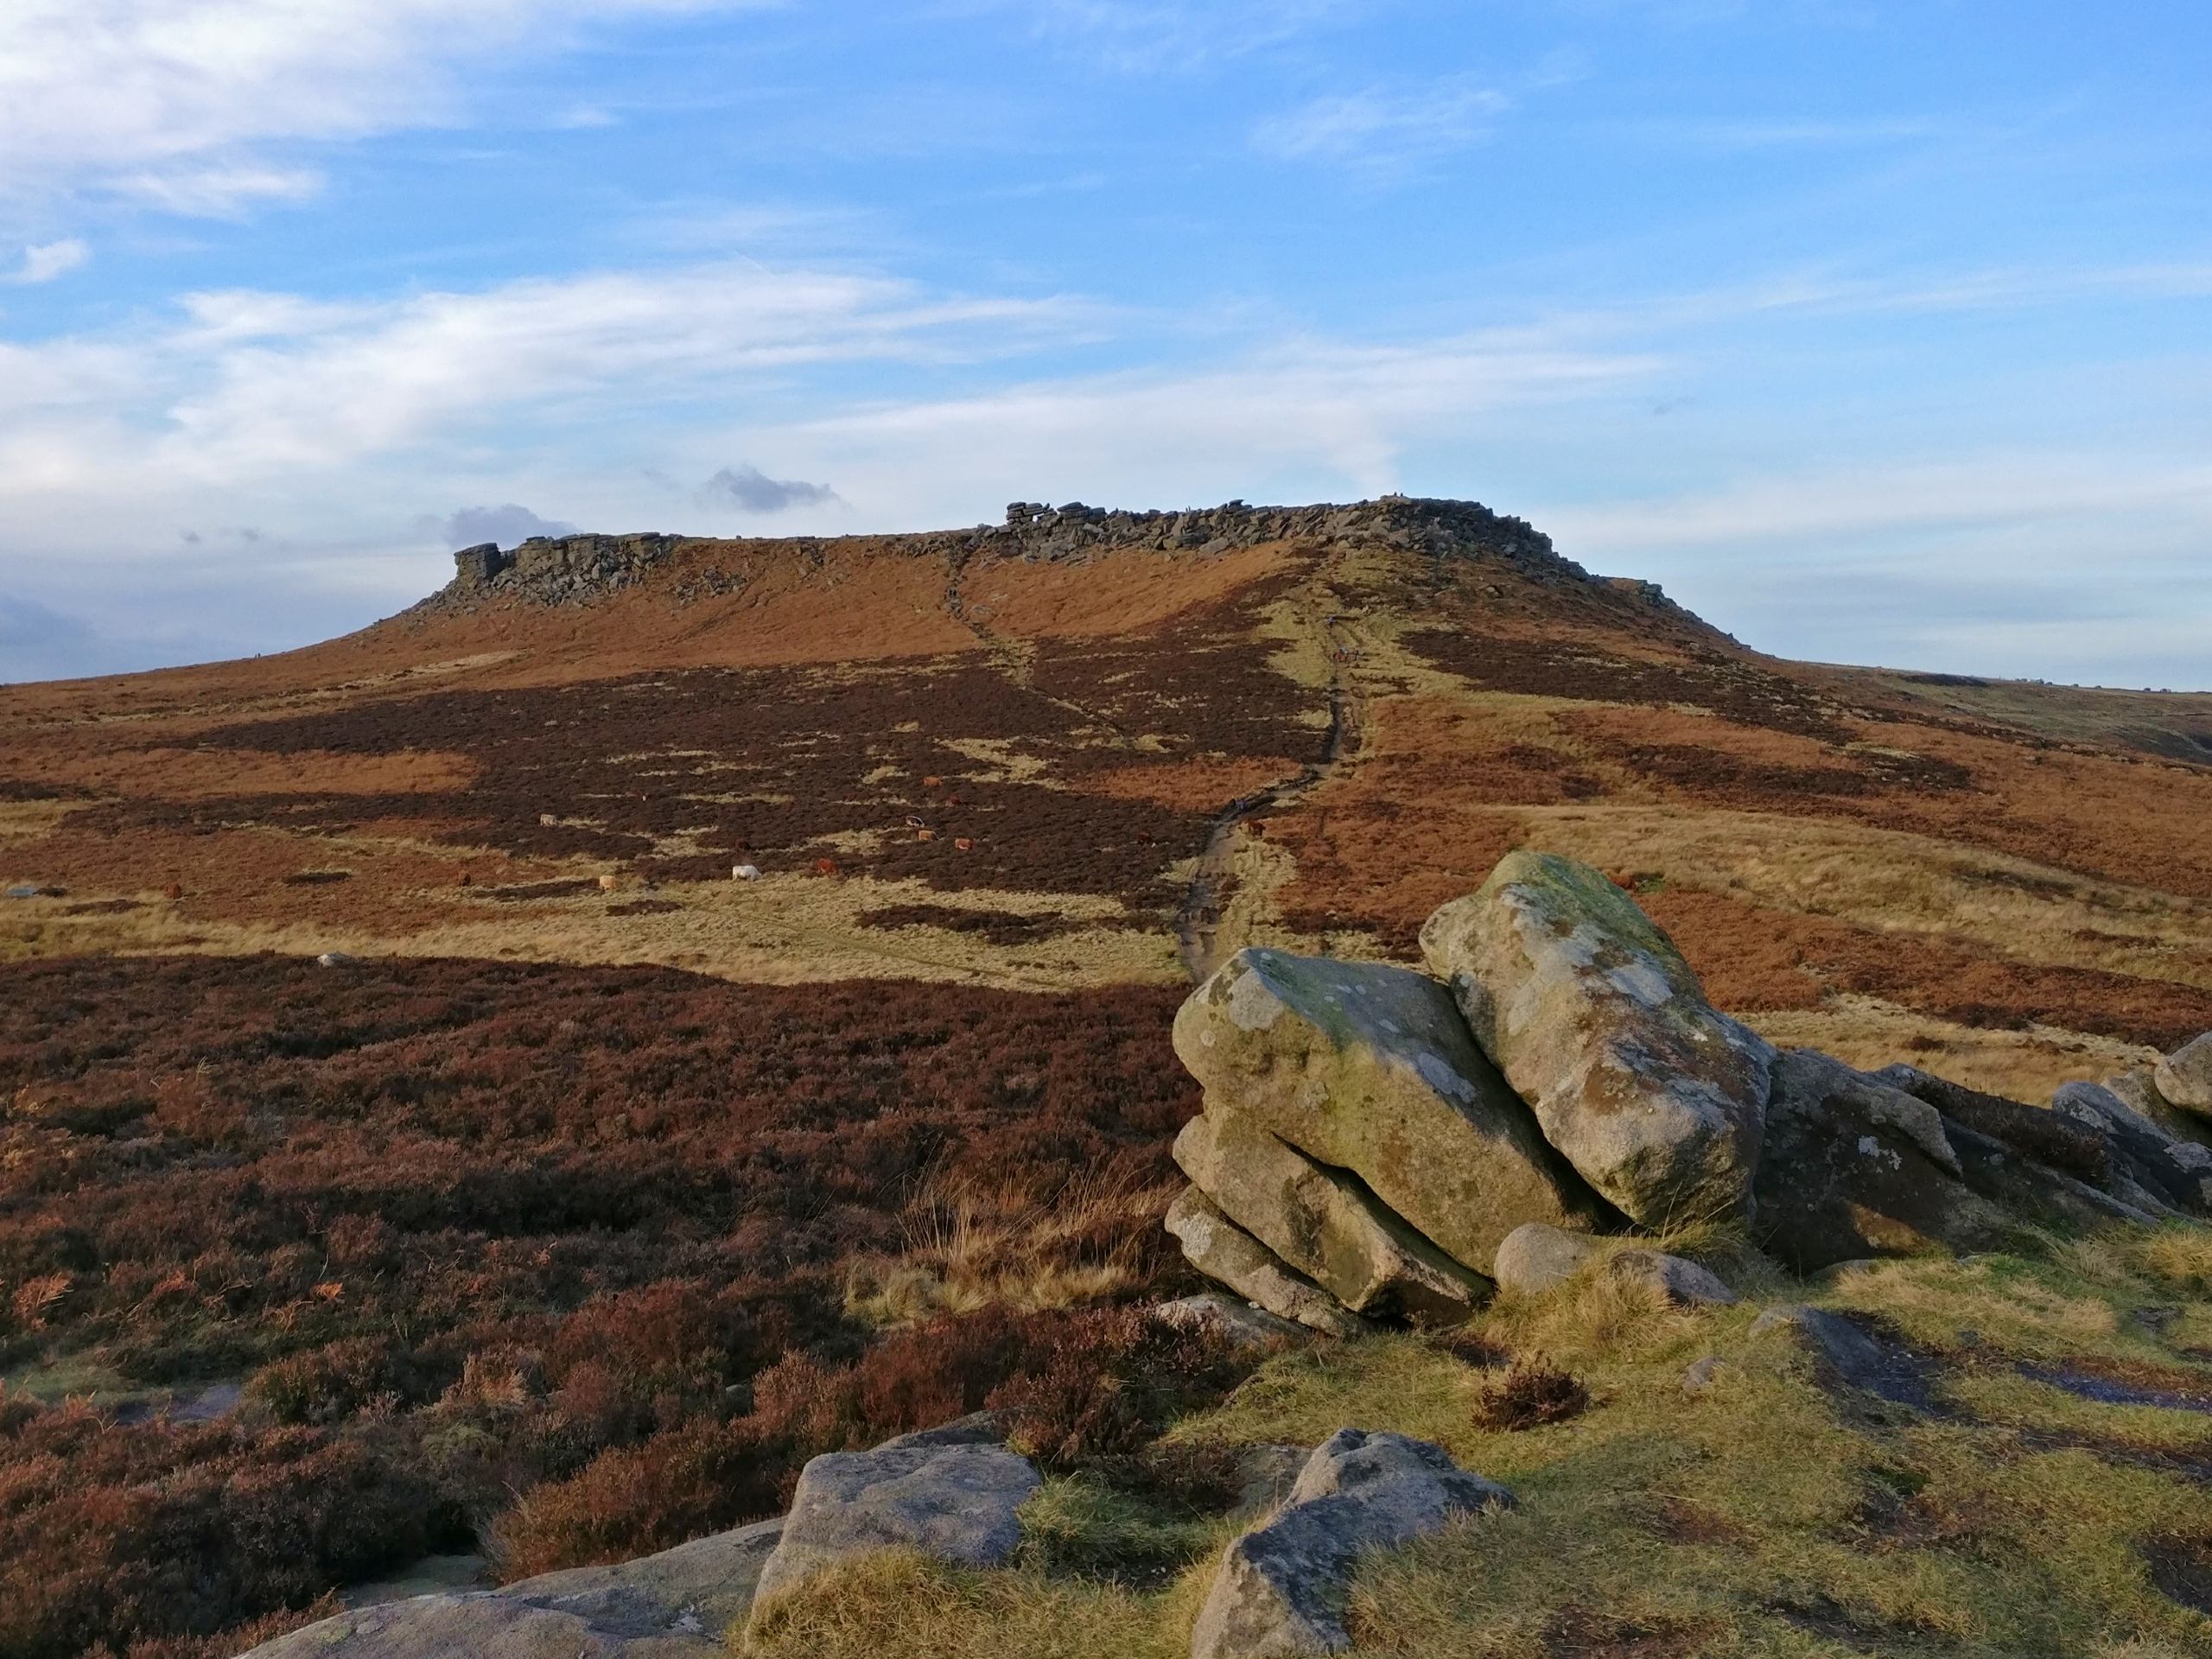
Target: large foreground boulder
1656,1098
1281,1589
957,1501
1326,1223
676,1605
1225,1252
1369,1069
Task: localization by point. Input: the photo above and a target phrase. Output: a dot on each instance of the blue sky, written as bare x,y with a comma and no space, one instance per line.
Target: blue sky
1878,331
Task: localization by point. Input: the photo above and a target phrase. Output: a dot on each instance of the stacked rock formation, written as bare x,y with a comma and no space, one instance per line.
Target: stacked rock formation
1371,1136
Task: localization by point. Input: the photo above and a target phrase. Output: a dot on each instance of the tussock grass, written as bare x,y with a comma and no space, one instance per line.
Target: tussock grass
972,1244
1763,1516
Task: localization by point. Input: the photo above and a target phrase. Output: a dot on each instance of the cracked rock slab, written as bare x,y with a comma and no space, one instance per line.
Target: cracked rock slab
1325,1222
1281,1588
1225,1252
675,1605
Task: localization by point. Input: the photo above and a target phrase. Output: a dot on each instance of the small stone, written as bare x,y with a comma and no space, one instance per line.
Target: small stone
335,959
1702,1375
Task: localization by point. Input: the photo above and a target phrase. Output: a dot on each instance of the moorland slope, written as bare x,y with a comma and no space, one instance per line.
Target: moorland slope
604,1186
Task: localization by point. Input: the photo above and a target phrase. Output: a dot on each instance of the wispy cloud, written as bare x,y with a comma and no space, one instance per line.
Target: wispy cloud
45,261
178,103
1156,36
1383,130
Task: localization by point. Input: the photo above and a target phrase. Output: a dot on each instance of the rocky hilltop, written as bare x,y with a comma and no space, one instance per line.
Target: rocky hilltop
574,569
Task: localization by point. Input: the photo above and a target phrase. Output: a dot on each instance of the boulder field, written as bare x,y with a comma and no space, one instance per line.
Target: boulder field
1373,1139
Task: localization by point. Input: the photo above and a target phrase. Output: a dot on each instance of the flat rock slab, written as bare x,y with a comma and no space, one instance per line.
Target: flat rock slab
675,1605
1222,1250
1236,1322
1325,1222
1281,1588
957,1503
1845,1354
1536,1259
1369,1069
1655,1097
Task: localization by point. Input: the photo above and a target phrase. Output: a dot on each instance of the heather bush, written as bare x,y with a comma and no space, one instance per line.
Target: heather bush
557,1256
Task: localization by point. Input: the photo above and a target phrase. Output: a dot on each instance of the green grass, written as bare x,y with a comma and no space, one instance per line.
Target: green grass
1762,1517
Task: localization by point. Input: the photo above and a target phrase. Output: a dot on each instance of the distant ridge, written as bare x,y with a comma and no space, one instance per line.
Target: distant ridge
574,569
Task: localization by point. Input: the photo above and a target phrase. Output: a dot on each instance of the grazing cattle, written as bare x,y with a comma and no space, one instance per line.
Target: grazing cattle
825,866
932,783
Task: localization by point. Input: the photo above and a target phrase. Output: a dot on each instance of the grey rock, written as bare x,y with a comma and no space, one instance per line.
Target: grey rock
2139,1093
1655,1097
1281,1588
1536,1258
1843,1355
335,959
1325,1222
1236,1322
1222,1250
1369,1069
1267,1473
957,1503
676,1605
1702,1376
2177,1171
1853,1167
2183,1077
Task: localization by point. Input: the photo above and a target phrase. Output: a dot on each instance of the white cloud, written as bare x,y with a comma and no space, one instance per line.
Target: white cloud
243,386
1383,128
176,103
45,261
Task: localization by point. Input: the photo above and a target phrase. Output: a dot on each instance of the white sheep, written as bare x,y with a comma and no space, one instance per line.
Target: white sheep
745,872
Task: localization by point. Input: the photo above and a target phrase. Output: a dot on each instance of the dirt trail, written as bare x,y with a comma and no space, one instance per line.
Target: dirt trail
1206,933
1015,659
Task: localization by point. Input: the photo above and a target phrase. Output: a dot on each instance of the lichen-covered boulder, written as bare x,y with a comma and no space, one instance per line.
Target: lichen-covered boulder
1325,1222
1369,1069
957,1501
1281,1589
2184,1078
1536,1259
1855,1168
1656,1097
1225,1252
